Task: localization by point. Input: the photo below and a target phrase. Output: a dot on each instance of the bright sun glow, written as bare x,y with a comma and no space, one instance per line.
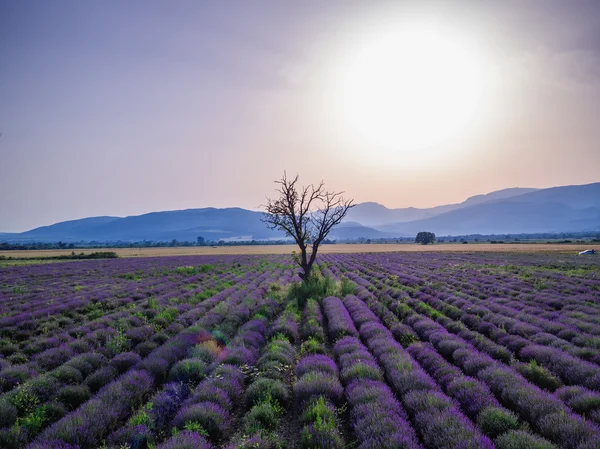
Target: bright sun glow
409,89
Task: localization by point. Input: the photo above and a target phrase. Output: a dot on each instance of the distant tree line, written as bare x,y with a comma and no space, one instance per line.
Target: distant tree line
575,237
72,256
17,246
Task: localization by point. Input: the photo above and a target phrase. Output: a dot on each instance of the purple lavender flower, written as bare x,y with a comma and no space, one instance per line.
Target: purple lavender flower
317,362
211,417
186,440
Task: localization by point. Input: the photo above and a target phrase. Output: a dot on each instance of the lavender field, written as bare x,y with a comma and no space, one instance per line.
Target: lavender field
394,350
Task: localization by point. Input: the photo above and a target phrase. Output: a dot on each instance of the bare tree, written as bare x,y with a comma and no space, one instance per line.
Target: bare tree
306,214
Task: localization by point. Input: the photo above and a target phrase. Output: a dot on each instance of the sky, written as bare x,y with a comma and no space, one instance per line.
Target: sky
122,108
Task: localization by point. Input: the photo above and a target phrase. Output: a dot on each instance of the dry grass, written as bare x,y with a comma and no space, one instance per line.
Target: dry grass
326,249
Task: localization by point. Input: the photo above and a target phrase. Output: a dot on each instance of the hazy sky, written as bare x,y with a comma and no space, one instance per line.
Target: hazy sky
127,107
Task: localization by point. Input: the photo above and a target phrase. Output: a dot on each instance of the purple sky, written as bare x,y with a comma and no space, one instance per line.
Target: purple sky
122,108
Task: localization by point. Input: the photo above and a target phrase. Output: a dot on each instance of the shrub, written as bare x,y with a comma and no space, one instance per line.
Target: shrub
212,418
109,407
209,393
449,430
256,441
347,287
317,383
18,358
585,402
231,372
321,434
157,367
72,396
237,356
274,370
494,421
55,411
87,363
528,401
471,394
139,334
145,348
318,408
186,440
312,346
567,393
55,444
8,413
571,370
539,375
567,431
447,348
264,389
315,286
361,370
165,404
125,360
25,400
316,363
426,401
101,378
321,427
286,327
54,357
371,391
7,349
281,347
79,346
131,436
347,345
35,420
68,375
231,386
261,417
188,371
340,323
471,361
14,375
281,358
160,338
377,418
44,387
518,439
206,351
312,321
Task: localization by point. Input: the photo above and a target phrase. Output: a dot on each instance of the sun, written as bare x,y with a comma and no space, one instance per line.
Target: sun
409,88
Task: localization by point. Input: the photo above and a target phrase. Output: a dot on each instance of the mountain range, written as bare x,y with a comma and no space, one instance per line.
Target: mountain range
509,211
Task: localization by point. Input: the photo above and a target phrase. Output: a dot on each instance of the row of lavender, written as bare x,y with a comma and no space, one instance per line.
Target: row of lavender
430,351
85,394
481,373
135,316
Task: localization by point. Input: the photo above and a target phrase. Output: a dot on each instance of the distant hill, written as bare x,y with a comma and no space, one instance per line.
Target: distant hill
182,225
558,209
497,195
353,231
66,228
516,210
375,214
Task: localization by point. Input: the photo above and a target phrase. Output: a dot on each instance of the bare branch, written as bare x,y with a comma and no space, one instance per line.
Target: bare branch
306,214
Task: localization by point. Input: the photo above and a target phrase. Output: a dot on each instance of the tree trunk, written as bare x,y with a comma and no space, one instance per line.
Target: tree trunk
306,266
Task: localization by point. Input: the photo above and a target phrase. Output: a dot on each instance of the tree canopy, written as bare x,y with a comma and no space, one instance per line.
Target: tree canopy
307,214
425,238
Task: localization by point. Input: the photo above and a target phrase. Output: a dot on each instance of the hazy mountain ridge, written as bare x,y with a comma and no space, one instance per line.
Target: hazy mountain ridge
515,210
557,209
375,214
